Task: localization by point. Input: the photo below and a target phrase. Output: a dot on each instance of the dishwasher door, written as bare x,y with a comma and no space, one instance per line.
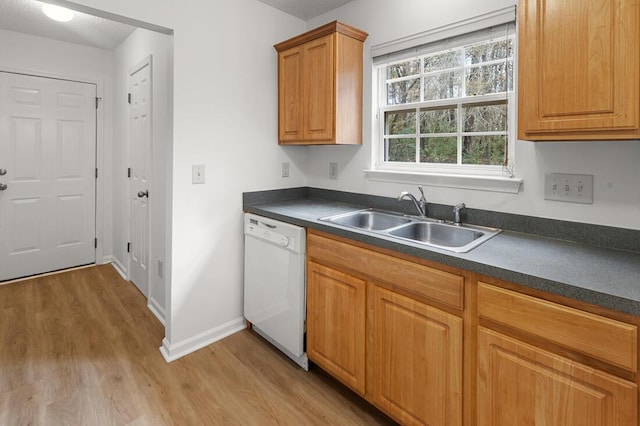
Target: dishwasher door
274,283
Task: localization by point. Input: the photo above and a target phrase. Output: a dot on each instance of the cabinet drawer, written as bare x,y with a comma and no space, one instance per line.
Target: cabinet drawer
602,338
417,279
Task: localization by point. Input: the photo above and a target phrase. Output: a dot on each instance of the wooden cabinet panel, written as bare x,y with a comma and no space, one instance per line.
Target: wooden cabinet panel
579,69
290,90
318,89
320,86
417,354
417,279
608,340
336,324
521,385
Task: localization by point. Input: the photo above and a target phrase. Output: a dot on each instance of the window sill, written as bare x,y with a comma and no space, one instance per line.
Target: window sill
475,182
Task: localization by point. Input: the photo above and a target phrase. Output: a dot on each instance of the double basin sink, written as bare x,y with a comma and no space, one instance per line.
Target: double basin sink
424,231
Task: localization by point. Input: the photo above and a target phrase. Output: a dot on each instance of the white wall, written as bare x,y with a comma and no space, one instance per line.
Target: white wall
613,164
225,117
138,46
26,53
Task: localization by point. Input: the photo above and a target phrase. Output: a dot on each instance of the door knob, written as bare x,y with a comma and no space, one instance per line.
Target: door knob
3,186
141,194
3,172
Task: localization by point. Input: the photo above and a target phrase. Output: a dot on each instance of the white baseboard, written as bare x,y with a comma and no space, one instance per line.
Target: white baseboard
157,309
106,260
171,352
120,268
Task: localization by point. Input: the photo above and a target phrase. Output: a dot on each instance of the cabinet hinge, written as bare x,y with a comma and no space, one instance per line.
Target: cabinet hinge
129,172
129,98
128,247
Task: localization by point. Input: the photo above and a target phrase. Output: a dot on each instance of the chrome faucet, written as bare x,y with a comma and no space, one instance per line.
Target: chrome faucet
456,214
421,205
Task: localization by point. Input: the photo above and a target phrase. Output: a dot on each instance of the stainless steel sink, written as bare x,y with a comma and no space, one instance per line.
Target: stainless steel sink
456,238
428,232
370,220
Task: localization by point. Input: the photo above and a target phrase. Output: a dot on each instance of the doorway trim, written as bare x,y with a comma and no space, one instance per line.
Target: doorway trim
100,160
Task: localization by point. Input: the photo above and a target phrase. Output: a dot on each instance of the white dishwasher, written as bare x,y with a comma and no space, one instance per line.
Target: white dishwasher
275,283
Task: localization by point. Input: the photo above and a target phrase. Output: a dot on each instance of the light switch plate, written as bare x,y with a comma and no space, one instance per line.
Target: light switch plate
197,173
569,188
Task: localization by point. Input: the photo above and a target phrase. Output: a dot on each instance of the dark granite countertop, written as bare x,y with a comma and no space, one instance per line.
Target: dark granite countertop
598,275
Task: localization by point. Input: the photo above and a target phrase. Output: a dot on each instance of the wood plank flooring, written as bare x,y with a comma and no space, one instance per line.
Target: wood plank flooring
81,348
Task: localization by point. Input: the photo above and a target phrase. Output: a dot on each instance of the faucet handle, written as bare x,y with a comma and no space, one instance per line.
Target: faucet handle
456,213
421,192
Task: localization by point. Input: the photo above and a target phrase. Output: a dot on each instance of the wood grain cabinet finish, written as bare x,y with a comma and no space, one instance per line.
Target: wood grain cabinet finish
523,385
532,363
579,69
402,354
336,324
417,361
320,86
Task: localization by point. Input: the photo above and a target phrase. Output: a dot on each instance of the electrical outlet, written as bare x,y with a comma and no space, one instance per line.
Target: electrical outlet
197,173
333,170
569,188
285,169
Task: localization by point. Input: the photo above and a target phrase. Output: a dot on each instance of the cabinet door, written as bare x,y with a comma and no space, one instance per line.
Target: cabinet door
417,361
521,385
290,94
579,69
318,89
336,324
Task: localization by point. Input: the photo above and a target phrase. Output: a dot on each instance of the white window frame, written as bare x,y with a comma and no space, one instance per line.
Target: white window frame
480,177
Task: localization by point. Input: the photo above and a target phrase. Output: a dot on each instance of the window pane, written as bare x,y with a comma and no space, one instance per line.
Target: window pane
404,69
443,61
485,150
442,120
401,149
443,86
489,51
400,122
439,150
403,92
488,79
485,118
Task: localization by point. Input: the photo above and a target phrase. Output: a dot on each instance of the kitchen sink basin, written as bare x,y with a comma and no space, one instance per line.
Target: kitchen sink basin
370,220
428,232
439,234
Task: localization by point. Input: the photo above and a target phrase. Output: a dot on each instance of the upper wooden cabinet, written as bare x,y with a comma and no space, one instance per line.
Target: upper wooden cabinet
579,69
320,86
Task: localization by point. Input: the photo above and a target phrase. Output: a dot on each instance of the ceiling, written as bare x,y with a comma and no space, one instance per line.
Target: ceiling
305,9
25,16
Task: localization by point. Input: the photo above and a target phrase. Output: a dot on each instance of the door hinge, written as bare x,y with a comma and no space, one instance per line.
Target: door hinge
98,101
95,243
129,172
129,98
96,173
128,247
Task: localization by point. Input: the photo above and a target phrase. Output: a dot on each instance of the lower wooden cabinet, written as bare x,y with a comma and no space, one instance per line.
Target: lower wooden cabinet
438,346
336,324
417,361
521,385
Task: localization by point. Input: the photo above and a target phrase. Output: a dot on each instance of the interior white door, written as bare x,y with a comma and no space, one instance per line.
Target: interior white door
140,139
48,174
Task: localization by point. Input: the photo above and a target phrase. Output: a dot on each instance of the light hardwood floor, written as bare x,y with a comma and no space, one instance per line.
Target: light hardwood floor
81,348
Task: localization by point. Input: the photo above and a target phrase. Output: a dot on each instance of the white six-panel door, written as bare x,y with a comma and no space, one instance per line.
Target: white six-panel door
140,140
47,173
